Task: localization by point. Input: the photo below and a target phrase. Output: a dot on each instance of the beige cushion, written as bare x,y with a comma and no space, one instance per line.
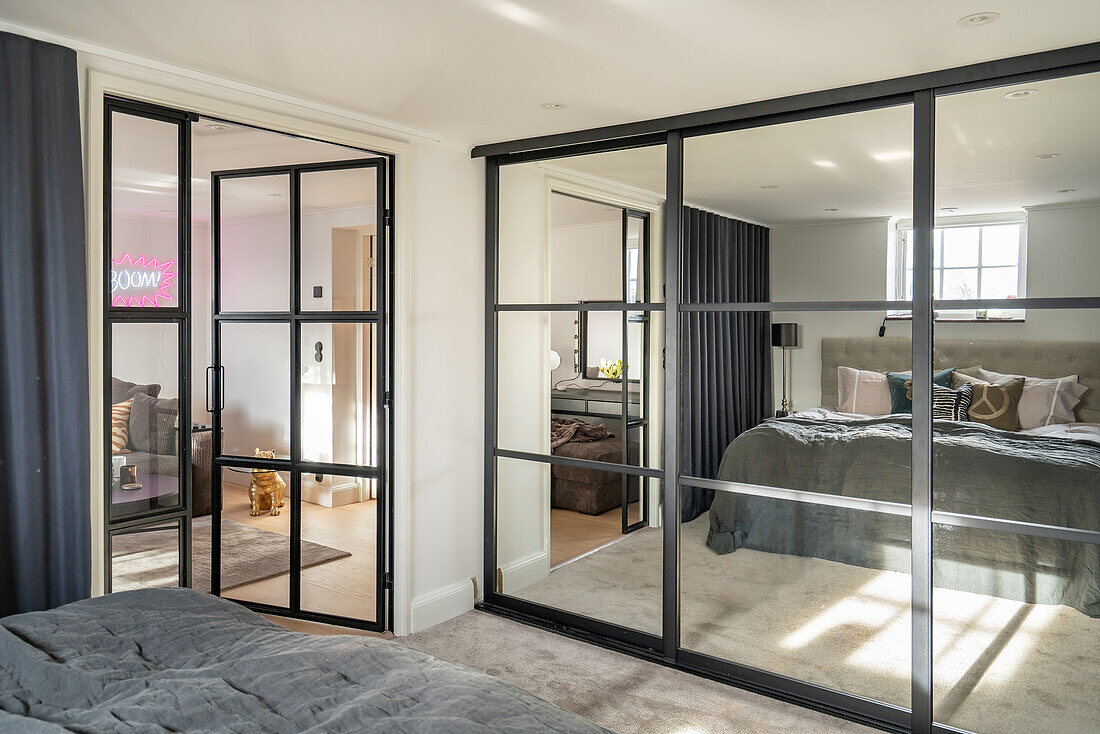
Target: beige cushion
993,402
120,426
862,391
1045,401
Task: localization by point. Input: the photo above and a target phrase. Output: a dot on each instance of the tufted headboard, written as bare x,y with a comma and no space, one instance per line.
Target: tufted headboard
1033,358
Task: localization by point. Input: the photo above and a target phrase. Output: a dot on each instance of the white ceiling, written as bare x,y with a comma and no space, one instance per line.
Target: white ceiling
476,71
144,170
861,164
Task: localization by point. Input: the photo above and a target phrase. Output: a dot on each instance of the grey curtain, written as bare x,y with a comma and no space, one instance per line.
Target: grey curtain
726,357
44,437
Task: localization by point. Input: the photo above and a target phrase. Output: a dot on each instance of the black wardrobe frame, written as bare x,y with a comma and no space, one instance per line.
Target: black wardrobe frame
181,315
920,92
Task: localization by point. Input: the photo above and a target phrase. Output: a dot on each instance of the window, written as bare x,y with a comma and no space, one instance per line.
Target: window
972,260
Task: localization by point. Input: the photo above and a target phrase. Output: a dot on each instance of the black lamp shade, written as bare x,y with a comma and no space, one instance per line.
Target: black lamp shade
784,335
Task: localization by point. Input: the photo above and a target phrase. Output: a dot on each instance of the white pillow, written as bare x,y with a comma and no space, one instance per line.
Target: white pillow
862,391
1045,401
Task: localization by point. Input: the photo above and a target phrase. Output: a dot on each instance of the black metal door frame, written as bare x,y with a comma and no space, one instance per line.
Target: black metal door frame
380,318
178,315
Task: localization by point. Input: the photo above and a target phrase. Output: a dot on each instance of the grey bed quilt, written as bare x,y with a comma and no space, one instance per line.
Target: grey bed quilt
175,660
977,470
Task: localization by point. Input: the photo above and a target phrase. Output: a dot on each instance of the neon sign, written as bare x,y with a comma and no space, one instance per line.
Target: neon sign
141,282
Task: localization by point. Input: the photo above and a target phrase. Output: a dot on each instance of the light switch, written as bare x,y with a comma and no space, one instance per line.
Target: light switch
317,291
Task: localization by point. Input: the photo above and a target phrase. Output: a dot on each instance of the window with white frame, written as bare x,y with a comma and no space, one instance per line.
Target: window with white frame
973,259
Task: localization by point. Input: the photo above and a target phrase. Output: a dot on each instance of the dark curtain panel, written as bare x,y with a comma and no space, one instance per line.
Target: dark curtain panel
45,540
726,379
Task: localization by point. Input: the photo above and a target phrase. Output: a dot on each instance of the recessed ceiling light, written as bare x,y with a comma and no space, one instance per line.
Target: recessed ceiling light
275,195
552,106
166,210
215,127
1021,93
1066,191
769,186
976,19
832,209
1048,156
825,164
949,209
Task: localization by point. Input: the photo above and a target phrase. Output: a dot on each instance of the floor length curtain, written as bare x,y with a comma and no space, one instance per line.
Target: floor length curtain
44,435
726,383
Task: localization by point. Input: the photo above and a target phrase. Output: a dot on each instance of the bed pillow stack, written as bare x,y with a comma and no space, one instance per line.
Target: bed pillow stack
867,392
1044,401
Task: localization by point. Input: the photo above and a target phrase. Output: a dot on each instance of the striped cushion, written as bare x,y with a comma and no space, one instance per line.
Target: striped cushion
951,405
120,426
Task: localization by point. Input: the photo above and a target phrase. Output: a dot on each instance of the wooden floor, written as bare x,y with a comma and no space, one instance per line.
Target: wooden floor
573,534
345,586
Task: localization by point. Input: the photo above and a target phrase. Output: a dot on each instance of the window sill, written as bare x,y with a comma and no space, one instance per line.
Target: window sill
1013,320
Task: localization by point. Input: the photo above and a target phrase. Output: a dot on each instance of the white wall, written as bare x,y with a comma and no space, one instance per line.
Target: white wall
444,305
523,378
848,261
585,265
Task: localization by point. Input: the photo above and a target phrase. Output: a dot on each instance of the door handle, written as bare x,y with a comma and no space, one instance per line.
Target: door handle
210,388
215,388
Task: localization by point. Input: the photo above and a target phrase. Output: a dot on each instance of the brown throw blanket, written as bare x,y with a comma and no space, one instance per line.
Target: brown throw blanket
564,430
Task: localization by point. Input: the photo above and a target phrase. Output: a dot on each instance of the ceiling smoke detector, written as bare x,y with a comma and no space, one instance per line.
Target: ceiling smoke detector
1048,156
1021,93
215,127
977,19
552,106
769,186
1066,191
949,209
832,209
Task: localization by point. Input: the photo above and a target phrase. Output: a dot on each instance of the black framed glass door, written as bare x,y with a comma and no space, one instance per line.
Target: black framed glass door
298,390
146,344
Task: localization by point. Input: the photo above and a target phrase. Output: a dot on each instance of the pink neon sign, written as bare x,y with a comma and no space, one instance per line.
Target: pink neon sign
142,282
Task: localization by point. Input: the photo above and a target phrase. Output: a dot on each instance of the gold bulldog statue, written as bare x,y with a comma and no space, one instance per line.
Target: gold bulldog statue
266,490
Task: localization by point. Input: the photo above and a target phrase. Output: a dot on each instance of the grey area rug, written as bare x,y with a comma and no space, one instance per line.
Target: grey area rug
848,628
148,559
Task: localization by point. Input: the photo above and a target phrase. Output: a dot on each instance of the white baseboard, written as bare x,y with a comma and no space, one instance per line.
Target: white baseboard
326,495
525,571
442,604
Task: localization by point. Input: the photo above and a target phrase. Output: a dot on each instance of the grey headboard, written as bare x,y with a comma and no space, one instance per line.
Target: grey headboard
1035,358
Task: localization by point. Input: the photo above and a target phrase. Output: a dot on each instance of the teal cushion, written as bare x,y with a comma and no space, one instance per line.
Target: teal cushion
901,388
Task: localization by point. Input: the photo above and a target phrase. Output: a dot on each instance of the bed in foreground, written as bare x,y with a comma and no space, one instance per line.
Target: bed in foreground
178,660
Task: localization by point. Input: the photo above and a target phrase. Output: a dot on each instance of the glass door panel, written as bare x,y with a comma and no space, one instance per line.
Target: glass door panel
253,243
145,226
255,360
256,517
340,546
339,227
146,557
339,393
146,447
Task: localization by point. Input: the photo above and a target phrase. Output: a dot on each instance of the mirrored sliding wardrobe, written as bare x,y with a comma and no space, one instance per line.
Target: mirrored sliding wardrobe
851,380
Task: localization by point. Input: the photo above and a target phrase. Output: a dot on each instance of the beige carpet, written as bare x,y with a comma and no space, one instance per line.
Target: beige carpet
1000,665
622,693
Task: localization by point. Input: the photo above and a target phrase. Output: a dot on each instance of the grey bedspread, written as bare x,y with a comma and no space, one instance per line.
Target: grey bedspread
176,660
977,470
